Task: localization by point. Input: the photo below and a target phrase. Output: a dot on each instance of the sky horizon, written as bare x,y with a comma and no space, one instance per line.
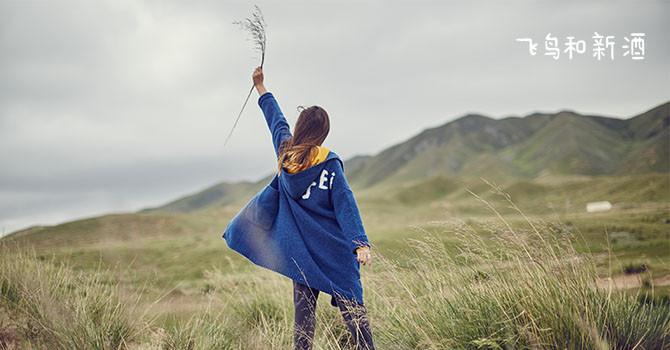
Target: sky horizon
113,106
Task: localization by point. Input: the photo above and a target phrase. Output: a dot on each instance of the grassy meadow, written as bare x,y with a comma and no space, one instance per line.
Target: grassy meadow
458,263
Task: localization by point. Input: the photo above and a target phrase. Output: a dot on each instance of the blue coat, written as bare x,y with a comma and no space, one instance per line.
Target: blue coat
306,225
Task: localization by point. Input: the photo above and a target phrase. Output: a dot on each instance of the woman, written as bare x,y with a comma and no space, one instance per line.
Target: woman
306,224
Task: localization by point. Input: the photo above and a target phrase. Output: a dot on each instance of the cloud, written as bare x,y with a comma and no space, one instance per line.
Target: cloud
137,97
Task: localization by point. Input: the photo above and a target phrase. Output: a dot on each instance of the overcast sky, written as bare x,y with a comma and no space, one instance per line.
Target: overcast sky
113,106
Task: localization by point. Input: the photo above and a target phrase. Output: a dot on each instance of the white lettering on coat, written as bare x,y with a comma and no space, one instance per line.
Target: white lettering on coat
322,183
323,179
306,195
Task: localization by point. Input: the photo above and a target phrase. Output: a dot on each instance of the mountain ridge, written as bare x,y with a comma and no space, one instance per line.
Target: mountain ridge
538,144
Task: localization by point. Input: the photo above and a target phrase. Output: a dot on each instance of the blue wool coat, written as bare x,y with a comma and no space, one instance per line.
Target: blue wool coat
306,225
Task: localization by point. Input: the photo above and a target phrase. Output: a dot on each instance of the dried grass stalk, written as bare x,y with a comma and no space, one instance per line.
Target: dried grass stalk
256,26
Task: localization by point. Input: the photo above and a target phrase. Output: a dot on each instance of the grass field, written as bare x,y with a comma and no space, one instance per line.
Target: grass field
451,269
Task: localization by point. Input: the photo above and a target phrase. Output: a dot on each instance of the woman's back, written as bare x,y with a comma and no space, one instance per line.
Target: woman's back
305,224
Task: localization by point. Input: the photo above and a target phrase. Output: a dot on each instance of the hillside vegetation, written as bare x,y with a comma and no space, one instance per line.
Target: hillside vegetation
479,233
486,284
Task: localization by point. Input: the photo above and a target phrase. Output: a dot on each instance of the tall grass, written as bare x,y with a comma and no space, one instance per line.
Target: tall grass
204,330
506,293
454,288
513,288
53,307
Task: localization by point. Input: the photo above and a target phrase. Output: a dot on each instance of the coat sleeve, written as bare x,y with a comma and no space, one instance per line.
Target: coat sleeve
279,128
346,211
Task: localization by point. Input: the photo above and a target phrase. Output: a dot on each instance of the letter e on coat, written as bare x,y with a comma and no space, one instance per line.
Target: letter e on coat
323,179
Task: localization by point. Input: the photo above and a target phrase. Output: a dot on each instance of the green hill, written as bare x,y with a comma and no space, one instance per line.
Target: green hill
564,143
537,146
569,144
216,196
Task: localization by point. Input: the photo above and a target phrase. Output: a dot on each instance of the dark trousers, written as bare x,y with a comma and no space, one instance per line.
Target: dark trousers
354,313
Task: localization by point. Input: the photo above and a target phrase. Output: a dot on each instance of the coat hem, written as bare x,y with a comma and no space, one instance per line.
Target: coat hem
328,290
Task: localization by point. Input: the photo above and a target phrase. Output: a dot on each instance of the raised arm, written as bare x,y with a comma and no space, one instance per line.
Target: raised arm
279,128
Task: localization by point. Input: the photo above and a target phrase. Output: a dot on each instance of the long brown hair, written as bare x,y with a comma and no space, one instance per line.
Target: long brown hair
311,129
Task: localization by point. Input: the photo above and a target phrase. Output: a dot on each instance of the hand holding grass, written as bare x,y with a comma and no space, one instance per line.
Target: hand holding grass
257,77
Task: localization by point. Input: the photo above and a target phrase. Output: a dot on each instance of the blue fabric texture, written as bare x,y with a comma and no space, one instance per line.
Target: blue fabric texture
306,225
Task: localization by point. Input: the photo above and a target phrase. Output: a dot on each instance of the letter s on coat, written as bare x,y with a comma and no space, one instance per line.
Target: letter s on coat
307,193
